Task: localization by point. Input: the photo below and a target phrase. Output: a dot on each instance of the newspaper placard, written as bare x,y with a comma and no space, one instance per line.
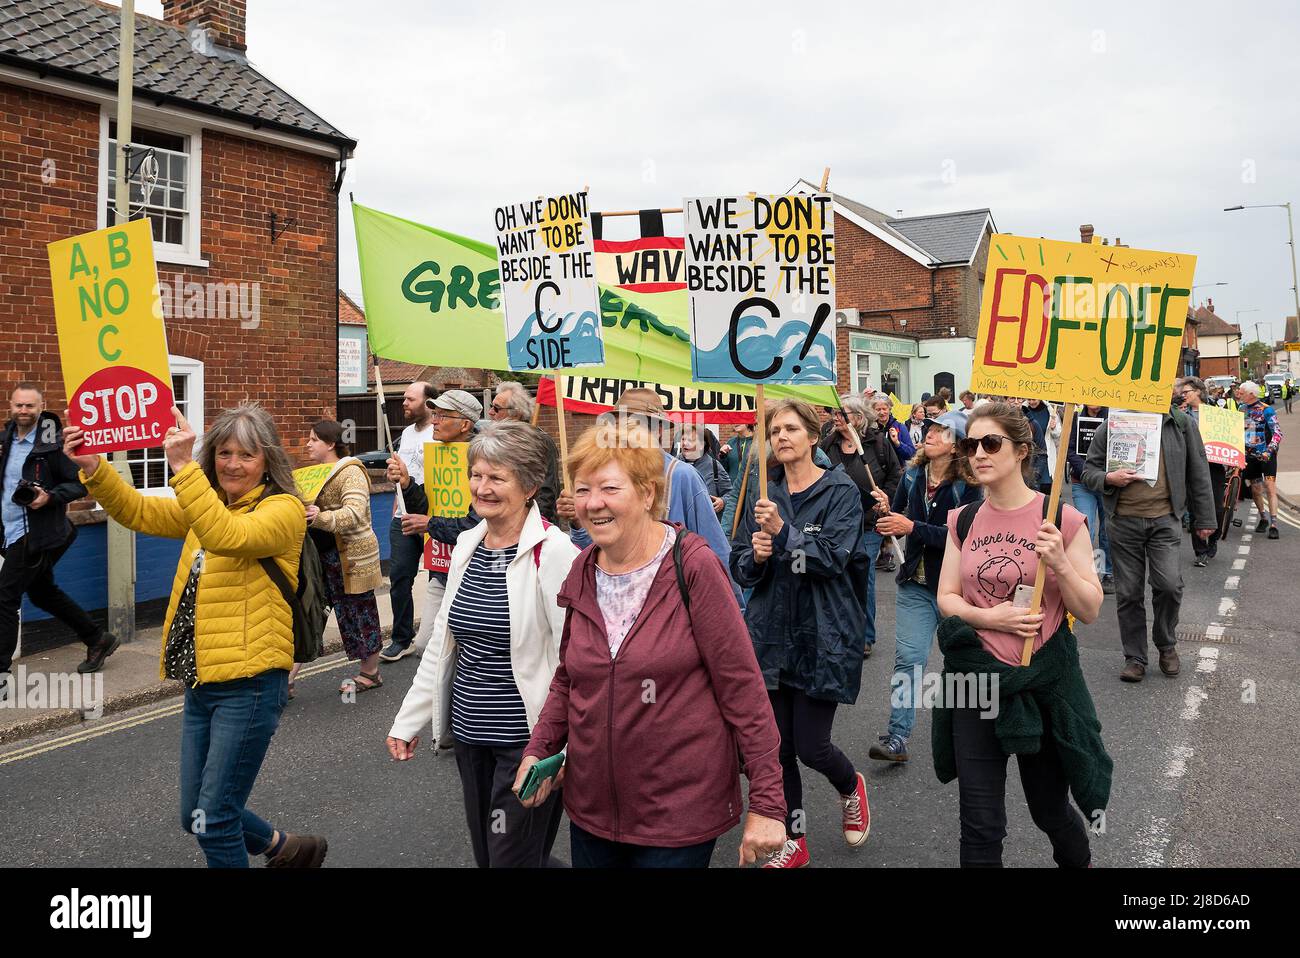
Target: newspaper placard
1088,426
1133,442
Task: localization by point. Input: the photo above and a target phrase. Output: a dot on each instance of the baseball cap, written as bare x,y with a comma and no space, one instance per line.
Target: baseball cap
459,401
949,420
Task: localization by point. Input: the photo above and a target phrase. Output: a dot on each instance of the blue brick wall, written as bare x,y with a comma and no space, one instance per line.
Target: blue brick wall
83,570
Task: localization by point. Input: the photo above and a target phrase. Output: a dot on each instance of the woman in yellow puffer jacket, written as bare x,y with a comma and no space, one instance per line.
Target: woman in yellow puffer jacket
228,630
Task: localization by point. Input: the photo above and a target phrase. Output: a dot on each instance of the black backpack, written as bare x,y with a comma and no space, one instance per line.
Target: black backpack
966,518
309,604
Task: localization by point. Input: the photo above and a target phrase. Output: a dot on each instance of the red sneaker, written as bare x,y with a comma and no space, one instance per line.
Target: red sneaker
793,854
857,814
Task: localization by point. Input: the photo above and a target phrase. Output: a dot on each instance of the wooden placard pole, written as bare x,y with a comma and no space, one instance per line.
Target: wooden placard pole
384,433
857,443
638,212
744,482
760,439
564,434
1058,484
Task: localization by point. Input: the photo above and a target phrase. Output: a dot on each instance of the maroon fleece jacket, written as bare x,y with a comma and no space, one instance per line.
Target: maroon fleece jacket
652,733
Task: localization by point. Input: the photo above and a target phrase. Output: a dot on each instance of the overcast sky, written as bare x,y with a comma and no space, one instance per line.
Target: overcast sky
1142,119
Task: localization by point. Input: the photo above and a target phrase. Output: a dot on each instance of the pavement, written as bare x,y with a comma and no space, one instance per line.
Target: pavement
1204,761
129,678
1288,457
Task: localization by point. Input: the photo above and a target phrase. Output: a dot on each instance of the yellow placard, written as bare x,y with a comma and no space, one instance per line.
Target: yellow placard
1224,435
112,343
1075,322
446,478
310,479
902,410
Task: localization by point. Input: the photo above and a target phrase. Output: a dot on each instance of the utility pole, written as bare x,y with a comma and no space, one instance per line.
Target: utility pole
121,540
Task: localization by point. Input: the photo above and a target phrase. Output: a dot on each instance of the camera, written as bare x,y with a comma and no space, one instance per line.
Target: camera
26,492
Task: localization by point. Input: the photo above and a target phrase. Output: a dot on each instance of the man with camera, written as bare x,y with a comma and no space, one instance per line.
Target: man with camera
39,482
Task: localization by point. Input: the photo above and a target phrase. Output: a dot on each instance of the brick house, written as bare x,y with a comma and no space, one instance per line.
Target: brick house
908,296
1219,342
240,182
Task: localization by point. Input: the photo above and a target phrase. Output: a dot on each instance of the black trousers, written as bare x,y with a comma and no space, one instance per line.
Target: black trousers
503,833
805,727
33,573
1218,484
982,787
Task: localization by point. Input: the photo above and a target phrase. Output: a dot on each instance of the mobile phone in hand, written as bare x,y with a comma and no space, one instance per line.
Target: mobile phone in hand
1023,597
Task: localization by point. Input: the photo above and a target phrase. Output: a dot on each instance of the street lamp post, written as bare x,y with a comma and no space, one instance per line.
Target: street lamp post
1290,233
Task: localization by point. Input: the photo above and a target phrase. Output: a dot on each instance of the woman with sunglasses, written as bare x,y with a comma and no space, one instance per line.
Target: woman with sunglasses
994,554
934,484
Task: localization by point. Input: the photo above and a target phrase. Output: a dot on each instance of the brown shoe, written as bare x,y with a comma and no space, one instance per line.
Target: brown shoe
300,851
1133,672
1169,663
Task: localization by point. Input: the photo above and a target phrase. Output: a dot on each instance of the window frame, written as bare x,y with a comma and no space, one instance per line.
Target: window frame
189,254
193,370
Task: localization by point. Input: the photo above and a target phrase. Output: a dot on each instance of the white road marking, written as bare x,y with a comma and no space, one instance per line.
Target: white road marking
1214,630
1208,659
1238,565
1177,766
1153,842
1243,550
1247,537
1232,583
1227,606
1192,702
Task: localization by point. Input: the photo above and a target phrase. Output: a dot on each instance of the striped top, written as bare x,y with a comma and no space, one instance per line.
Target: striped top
486,708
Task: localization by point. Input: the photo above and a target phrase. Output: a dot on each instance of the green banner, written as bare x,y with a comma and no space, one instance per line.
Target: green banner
433,298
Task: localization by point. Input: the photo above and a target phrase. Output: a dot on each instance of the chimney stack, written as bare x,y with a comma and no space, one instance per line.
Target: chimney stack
1085,233
222,21
1209,304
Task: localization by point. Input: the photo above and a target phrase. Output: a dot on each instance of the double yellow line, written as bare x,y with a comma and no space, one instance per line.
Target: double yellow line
131,721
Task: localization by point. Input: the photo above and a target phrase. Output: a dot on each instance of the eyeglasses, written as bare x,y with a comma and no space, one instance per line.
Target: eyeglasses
446,415
992,444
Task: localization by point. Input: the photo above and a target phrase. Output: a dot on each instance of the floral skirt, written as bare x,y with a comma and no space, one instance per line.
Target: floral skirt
357,615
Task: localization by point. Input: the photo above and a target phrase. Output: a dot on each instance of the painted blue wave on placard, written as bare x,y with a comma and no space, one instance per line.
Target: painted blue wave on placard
757,348
581,330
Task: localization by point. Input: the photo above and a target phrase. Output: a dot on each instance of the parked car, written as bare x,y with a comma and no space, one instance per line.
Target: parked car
1276,386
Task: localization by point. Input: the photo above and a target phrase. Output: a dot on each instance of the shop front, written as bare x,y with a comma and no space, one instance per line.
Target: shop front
882,362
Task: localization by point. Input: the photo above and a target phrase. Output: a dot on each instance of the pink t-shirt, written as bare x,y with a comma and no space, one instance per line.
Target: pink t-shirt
622,595
998,556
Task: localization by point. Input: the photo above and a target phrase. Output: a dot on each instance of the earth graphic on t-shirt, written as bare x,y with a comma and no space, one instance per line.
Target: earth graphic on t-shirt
999,576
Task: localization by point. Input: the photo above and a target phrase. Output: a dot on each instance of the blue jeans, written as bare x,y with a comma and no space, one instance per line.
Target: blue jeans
226,731
872,541
403,566
916,616
591,851
1094,510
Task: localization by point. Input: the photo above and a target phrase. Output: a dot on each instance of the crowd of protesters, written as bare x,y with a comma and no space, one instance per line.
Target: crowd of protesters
623,635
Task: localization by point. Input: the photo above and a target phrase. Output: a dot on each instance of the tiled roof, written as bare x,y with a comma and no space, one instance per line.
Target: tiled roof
947,237
78,40
1211,324
350,314
941,239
